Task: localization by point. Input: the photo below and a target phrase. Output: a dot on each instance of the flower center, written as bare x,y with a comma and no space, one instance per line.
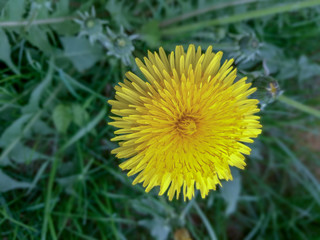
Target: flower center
90,23
121,42
187,125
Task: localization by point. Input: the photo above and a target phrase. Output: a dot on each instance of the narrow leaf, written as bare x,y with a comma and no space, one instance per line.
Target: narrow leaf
14,130
36,95
7,183
83,131
5,52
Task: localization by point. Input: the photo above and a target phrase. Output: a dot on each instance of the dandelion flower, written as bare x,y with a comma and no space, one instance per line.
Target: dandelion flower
187,124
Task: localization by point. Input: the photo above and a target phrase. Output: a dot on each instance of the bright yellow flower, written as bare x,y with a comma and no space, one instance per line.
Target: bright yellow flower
186,125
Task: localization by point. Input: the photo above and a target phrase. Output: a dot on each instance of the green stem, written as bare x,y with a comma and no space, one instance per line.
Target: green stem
35,22
203,11
205,221
241,17
299,106
48,206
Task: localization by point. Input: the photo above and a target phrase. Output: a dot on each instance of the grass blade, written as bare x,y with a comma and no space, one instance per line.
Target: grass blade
241,17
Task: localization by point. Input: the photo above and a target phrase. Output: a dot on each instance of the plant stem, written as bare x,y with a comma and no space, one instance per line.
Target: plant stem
241,17
299,106
35,22
205,221
203,11
48,207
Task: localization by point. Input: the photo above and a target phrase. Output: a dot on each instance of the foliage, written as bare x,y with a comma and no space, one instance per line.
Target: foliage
58,66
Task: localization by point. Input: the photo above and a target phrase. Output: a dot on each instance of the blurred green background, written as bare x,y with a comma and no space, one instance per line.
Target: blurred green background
59,62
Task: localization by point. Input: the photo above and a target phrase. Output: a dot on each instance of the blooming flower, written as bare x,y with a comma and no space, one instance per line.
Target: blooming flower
187,124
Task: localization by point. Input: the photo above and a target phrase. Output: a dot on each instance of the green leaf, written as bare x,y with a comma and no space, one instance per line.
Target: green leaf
152,206
5,51
14,130
151,33
42,128
70,83
23,154
120,13
83,131
38,175
14,10
62,8
3,3
158,227
33,104
80,115
308,69
66,81
62,117
67,28
38,37
7,183
231,191
80,52
5,161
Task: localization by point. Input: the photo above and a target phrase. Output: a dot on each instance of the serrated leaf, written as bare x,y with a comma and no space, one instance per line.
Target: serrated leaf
5,51
80,115
38,38
231,191
62,117
14,10
7,183
14,130
80,52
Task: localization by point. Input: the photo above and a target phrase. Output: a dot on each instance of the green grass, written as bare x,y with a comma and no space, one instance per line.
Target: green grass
58,179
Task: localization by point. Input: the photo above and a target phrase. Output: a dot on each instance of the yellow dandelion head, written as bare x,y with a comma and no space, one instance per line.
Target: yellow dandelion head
185,126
